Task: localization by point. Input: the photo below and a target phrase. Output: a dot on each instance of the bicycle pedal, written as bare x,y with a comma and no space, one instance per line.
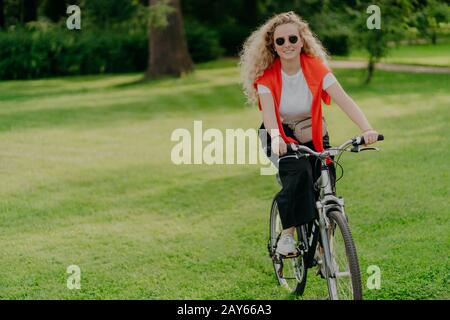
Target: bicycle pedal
290,255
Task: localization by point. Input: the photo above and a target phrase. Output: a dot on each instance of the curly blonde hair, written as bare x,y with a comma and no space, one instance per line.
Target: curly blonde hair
258,53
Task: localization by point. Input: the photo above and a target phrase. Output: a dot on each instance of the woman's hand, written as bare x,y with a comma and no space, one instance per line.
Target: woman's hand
370,136
279,147
352,110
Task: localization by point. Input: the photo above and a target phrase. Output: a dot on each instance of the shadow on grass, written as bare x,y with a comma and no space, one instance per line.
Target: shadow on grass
211,97
144,81
128,190
157,105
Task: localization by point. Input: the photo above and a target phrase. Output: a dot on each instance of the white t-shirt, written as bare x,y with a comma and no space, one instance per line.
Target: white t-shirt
296,98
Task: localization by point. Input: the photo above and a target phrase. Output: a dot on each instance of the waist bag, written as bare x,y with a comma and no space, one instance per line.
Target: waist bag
303,129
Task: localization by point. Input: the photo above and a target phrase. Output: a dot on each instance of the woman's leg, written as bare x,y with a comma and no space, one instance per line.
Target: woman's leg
296,202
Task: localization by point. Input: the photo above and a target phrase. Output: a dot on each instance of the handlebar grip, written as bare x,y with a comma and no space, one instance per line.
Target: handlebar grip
380,138
289,148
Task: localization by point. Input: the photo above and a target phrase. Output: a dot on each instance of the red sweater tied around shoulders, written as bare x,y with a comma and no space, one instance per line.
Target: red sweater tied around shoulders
314,71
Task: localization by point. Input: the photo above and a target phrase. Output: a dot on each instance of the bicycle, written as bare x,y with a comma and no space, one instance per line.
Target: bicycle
318,243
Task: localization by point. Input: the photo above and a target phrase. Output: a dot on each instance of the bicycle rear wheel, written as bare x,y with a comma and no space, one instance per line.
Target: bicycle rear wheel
290,272
346,282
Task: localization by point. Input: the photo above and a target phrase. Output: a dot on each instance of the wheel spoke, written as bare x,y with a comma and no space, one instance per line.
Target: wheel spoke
341,267
293,269
340,260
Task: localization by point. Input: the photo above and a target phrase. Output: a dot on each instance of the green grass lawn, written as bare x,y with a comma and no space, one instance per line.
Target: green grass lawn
422,54
87,180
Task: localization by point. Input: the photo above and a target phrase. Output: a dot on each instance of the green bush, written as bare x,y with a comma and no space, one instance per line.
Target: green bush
232,36
45,49
28,54
203,42
16,56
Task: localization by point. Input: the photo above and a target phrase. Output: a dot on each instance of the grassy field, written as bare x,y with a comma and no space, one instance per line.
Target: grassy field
423,54
87,180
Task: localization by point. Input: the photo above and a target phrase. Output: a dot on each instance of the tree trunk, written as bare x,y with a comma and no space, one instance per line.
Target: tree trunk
433,37
2,14
370,69
168,47
29,10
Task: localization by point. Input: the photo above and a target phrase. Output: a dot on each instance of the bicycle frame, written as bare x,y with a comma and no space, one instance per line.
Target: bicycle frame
327,202
318,237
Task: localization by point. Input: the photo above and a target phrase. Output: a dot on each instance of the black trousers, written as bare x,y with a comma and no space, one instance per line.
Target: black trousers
297,198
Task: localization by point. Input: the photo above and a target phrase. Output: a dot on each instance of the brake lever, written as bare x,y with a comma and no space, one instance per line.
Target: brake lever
369,148
359,149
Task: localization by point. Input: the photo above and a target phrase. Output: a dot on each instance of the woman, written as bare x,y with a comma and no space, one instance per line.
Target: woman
284,69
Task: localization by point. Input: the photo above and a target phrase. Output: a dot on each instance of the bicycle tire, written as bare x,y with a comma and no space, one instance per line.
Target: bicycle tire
298,285
350,252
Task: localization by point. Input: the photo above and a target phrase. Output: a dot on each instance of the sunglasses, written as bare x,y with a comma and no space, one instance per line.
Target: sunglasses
292,39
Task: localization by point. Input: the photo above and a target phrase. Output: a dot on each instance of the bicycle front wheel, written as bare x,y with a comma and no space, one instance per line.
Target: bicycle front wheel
290,272
345,282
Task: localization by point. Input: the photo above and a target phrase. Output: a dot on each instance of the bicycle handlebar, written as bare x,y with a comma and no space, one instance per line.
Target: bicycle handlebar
380,138
356,141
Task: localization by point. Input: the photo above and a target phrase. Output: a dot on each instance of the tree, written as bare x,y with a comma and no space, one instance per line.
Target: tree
29,10
17,12
428,19
2,15
55,9
167,41
106,13
394,17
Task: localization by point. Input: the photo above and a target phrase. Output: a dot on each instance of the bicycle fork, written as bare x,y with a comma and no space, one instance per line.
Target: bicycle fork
324,225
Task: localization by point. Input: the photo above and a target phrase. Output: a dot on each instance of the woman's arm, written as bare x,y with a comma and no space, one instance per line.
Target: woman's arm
270,123
346,103
268,113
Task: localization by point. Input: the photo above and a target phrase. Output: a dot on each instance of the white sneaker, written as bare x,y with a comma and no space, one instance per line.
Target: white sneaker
286,245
